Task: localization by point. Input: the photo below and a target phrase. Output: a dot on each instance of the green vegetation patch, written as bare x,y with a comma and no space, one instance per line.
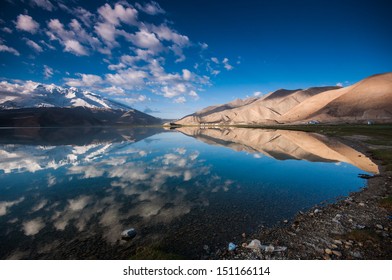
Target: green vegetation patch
385,155
386,203
362,235
154,252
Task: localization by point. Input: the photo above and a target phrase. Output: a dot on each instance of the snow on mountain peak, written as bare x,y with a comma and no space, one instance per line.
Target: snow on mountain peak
33,95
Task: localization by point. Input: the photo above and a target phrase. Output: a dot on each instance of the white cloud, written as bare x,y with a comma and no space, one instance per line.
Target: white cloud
339,84
7,30
84,16
134,99
127,79
186,74
151,8
87,80
178,52
44,4
194,95
34,45
27,23
257,93
48,72
32,227
174,90
214,59
72,39
226,64
4,205
75,47
107,31
4,48
180,100
113,90
203,46
147,40
118,14
167,34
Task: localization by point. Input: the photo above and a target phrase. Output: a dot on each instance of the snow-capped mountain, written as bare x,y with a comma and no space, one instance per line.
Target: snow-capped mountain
35,95
31,104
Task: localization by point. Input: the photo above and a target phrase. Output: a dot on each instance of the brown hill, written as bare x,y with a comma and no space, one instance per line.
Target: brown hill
262,110
367,100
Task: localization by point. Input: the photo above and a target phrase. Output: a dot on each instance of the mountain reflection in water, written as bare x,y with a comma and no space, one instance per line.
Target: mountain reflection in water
69,193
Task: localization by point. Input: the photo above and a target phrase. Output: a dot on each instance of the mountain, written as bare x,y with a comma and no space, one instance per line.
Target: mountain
34,104
283,145
367,100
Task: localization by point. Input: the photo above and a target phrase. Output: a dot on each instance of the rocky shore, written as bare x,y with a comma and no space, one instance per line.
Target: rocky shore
357,227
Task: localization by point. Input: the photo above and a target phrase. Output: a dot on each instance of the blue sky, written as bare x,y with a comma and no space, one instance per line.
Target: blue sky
170,58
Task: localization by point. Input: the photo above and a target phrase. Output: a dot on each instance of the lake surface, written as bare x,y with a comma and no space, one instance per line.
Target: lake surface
69,193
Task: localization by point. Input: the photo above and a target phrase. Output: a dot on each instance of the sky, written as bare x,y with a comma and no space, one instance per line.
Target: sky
170,58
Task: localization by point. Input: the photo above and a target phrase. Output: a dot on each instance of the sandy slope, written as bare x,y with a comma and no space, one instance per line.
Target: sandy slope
283,144
263,110
369,99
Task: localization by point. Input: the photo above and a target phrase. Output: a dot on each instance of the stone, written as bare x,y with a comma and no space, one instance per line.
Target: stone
361,204
356,255
339,242
285,221
317,211
336,253
243,235
334,246
379,226
254,244
232,246
128,233
328,251
326,257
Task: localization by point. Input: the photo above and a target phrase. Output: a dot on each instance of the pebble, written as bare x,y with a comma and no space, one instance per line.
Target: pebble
337,253
326,257
379,226
243,235
334,246
328,251
232,246
338,242
128,233
317,211
285,221
361,204
356,255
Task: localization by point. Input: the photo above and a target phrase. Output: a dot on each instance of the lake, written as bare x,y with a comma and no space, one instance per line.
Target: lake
69,193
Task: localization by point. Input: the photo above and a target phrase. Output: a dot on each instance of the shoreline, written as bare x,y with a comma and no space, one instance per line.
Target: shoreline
357,227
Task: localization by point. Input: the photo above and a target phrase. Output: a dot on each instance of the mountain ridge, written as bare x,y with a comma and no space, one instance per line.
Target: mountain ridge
36,105
369,100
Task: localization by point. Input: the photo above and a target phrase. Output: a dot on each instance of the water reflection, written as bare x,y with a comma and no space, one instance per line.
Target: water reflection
69,193
283,144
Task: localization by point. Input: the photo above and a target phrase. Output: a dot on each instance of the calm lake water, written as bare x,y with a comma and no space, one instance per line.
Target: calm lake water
69,193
